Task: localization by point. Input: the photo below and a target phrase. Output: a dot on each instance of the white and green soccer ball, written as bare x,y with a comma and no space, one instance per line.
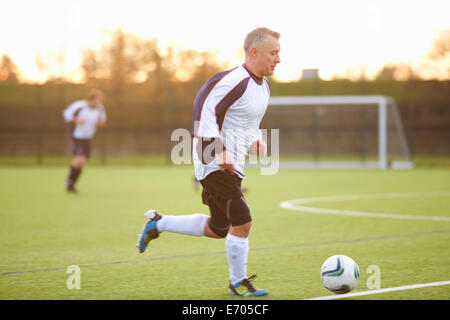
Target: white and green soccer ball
339,274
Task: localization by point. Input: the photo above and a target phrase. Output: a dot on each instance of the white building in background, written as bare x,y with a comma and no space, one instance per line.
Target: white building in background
310,74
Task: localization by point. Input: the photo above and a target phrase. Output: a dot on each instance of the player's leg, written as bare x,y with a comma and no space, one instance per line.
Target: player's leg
193,224
81,151
197,224
79,161
216,226
230,207
242,231
237,247
210,233
76,167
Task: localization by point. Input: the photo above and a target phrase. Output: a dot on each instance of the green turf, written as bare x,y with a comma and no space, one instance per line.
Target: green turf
45,230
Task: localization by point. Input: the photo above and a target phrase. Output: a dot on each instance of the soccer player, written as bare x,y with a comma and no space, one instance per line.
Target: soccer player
228,110
85,116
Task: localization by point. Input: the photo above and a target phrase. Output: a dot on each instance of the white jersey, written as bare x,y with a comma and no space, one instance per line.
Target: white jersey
90,116
228,108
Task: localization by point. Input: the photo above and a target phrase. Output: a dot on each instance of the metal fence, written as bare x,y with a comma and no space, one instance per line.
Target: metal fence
31,123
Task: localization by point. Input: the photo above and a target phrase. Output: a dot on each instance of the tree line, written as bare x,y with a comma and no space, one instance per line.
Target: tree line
125,58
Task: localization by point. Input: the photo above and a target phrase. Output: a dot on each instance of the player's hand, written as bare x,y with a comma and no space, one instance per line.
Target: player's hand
225,161
101,123
258,148
78,121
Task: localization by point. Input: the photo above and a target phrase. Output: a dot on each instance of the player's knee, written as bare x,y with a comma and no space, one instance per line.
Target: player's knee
246,227
83,160
222,235
79,161
242,231
221,232
216,231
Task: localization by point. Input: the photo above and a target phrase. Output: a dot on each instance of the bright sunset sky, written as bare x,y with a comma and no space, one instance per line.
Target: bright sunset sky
326,34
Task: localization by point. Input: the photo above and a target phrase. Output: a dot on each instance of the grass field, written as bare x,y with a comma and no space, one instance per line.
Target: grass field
44,230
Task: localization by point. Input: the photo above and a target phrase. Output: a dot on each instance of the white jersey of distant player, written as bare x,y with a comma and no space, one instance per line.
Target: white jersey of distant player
90,116
232,110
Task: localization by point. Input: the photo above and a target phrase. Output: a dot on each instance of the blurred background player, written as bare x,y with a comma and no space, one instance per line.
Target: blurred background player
228,110
85,116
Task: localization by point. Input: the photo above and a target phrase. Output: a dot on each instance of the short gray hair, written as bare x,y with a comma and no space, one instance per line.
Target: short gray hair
257,36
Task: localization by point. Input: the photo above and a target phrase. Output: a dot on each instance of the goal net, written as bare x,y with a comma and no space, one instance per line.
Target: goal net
338,132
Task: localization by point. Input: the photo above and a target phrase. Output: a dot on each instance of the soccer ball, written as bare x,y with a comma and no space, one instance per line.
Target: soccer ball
339,274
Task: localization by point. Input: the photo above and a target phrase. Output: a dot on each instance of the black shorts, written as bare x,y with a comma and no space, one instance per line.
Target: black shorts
223,194
81,147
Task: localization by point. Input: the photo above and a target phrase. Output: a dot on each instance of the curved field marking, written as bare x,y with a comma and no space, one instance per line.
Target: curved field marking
369,292
297,205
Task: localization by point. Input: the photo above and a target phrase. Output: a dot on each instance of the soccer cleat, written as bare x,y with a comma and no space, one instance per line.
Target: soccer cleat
149,232
72,190
70,187
244,288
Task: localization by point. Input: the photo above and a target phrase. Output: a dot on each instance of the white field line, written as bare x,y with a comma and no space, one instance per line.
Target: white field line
369,292
297,205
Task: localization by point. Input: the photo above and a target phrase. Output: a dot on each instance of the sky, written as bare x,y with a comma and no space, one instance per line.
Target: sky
332,36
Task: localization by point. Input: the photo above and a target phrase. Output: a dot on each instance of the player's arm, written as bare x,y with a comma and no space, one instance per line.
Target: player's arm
213,149
78,120
225,161
70,114
258,147
102,118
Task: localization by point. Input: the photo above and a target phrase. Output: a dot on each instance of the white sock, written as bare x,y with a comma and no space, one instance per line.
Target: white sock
237,252
192,224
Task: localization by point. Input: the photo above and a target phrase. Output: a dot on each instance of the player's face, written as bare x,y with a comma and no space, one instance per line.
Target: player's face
268,56
95,101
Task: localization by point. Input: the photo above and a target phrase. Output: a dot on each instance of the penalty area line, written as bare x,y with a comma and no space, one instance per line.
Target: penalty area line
369,292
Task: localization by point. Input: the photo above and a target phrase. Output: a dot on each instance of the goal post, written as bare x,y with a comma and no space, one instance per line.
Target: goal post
339,132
